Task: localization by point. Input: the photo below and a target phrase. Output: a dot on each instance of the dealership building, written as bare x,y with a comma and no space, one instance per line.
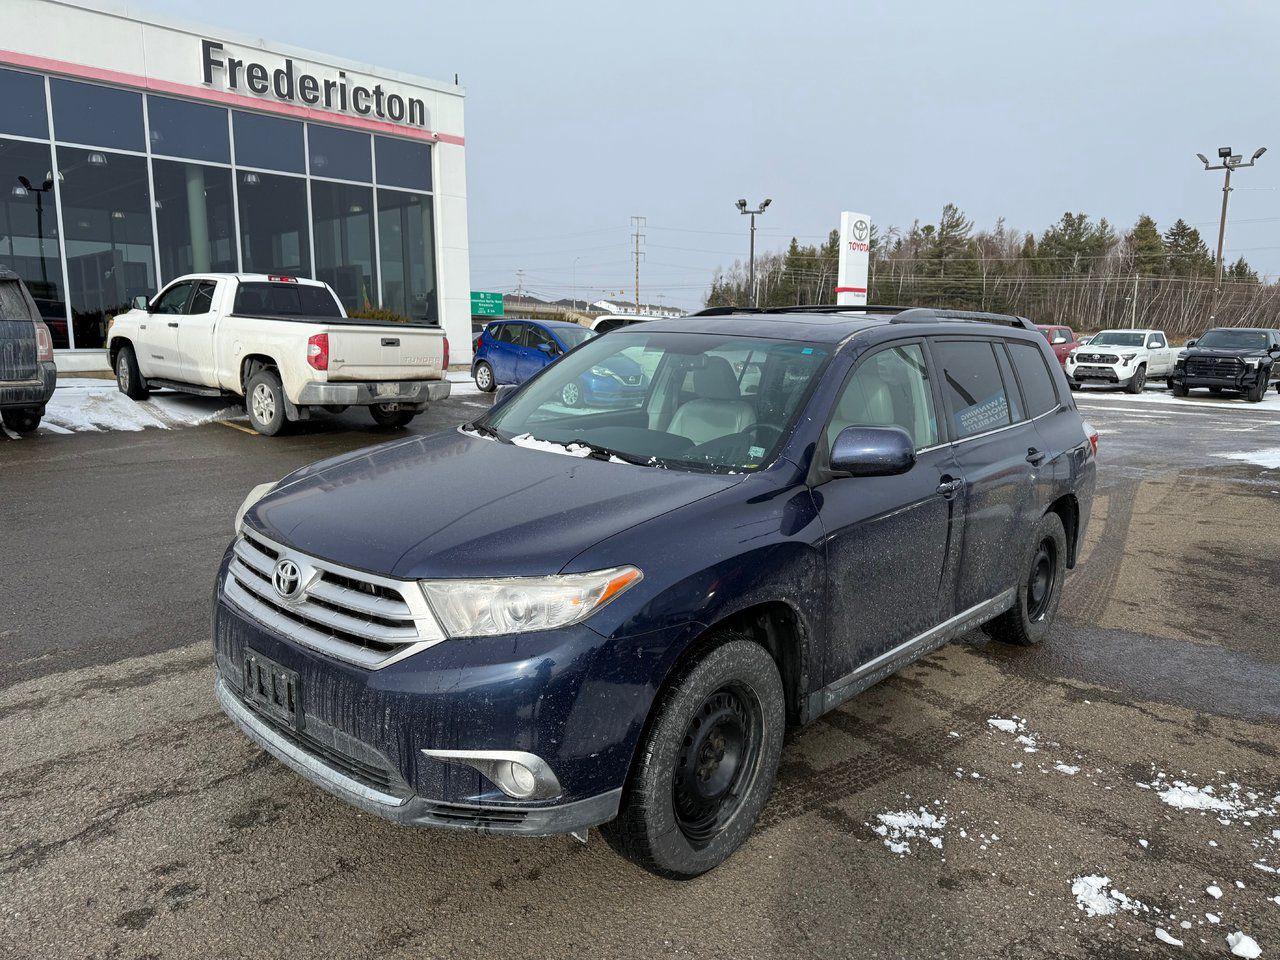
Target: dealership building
136,150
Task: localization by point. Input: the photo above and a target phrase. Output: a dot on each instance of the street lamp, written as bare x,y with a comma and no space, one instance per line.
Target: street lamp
751,268
23,188
1229,161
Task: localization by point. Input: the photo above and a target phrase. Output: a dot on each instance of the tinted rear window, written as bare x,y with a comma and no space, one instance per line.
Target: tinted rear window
1037,382
13,305
972,386
285,300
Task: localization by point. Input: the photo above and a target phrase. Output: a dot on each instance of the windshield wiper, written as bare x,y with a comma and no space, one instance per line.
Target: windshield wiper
485,431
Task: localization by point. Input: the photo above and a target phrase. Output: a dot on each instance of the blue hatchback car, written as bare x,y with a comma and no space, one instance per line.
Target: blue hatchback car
512,351
560,617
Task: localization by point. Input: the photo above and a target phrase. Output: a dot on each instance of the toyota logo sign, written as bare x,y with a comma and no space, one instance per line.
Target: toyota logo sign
287,579
861,230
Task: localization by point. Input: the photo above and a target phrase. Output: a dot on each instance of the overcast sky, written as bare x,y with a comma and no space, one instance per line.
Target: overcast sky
580,115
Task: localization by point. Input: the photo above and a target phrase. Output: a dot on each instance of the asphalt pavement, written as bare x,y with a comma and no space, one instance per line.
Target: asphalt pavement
1064,801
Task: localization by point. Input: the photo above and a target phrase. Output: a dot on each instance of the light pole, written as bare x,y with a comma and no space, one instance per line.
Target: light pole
751,261
575,282
24,188
1229,161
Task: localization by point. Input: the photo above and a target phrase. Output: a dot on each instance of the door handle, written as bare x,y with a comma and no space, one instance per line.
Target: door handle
950,486
173,323
1035,457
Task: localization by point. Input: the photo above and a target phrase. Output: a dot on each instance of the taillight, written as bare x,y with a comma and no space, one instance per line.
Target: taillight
446,354
44,343
1091,435
318,351
475,347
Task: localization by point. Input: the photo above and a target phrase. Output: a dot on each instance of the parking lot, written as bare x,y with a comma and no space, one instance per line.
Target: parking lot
1063,801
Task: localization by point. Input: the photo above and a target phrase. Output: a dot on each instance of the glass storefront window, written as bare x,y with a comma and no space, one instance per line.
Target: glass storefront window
196,131
342,221
273,223
403,163
268,142
340,154
97,116
195,220
22,104
106,213
406,239
29,229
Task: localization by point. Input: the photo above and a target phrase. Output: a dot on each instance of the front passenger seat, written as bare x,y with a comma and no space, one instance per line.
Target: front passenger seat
718,410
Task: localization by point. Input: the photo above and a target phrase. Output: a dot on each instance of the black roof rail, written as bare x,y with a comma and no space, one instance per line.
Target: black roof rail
723,311
802,308
932,315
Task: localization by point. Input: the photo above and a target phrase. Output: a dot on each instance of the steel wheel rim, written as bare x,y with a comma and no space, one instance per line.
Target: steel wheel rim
122,373
717,764
483,377
264,403
1040,584
570,393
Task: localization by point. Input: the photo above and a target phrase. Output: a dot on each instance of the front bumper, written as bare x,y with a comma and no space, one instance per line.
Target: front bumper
1113,374
407,808
34,392
416,393
1246,380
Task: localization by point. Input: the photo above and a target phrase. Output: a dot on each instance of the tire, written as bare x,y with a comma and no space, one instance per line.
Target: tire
571,394
335,408
1044,565
1255,393
1138,380
726,705
383,417
1179,389
128,377
22,419
483,376
264,402
1168,383
1216,391
1073,384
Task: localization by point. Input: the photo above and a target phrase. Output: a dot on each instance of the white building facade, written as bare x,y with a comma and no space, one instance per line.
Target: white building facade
136,150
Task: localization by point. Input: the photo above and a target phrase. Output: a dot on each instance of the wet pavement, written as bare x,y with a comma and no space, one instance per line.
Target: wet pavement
137,823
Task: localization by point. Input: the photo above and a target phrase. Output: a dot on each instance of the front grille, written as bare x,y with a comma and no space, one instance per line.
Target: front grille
354,616
476,816
633,381
1222,368
1096,358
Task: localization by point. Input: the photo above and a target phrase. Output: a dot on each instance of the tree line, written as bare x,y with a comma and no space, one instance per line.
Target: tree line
1080,272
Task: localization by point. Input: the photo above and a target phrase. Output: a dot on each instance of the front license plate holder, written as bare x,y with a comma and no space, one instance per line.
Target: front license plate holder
272,689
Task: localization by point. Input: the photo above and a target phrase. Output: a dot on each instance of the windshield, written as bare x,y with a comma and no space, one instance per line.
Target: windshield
689,400
1117,339
572,336
1234,339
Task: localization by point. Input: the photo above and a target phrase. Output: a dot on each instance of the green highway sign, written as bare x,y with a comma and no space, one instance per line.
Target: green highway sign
485,304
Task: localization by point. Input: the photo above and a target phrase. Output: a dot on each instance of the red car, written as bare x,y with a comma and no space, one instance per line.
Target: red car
1061,339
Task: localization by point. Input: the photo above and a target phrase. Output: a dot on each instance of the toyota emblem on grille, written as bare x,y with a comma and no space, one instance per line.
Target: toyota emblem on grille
287,579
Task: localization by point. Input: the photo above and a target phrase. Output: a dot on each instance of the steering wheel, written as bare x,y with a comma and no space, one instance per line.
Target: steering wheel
766,433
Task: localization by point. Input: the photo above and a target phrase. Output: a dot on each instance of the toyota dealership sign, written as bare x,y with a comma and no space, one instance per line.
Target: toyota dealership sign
855,255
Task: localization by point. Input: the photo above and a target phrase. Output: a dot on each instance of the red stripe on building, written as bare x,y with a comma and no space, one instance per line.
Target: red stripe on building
50,65
851,289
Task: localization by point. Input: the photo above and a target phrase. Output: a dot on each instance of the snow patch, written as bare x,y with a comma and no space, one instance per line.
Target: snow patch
1066,768
1186,796
1269,458
1097,898
1214,891
567,449
898,828
1165,937
1243,945
1006,726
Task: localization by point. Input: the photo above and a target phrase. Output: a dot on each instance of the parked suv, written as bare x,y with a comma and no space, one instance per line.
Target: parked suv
556,618
28,375
1239,359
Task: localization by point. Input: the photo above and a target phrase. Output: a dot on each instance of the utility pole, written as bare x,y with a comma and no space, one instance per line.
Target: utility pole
1133,315
751,260
519,283
637,238
1229,161
575,283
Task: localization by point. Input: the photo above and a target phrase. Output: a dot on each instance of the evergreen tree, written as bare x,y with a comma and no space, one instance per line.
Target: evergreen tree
1188,256
1241,272
1146,246
1075,245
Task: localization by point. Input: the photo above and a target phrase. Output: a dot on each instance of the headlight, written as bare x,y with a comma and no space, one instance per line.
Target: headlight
1127,358
601,372
1252,361
488,608
256,494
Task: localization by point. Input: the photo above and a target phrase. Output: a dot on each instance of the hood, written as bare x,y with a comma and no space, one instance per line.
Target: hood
453,505
1199,351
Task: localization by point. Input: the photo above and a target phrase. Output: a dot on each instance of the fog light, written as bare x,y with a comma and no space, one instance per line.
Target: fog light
516,779
520,775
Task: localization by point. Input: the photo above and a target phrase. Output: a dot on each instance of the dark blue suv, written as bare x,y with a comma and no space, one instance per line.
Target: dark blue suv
554,617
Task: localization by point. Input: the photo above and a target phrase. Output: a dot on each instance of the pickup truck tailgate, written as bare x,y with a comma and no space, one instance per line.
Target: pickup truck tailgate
385,353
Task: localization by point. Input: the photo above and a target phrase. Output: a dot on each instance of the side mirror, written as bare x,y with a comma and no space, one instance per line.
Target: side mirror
546,348
1191,343
140,303
872,452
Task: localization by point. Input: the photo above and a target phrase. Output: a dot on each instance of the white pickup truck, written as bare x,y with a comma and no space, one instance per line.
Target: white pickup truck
282,344
1122,358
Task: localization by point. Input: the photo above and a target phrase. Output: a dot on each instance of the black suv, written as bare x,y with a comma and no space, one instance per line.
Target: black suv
556,618
1242,359
27,372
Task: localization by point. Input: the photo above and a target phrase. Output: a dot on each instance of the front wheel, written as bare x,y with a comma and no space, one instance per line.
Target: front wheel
1073,384
1256,392
389,415
707,764
484,377
1039,591
23,420
1179,389
1137,381
128,378
571,394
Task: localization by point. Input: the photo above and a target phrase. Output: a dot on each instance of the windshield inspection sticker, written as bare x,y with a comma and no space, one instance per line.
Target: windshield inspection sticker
755,452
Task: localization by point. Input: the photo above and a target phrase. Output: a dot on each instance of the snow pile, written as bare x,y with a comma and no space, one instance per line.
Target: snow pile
1166,937
1066,768
1214,891
1097,898
1243,945
1269,458
898,828
1005,726
1185,796
547,446
85,404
